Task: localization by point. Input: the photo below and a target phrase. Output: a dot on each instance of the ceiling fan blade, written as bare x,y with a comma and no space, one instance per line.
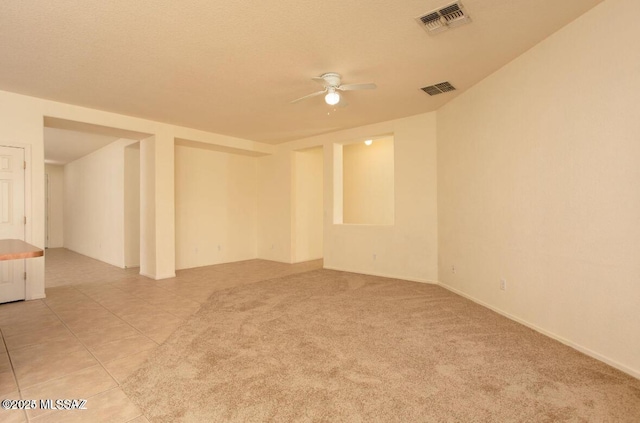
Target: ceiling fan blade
352,87
319,80
342,102
308,96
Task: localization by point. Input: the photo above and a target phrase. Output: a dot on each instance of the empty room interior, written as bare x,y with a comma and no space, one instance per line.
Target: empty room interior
320,211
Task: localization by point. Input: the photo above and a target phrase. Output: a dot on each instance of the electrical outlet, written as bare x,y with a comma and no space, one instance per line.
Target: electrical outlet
503,284
219,247
453,269
374,257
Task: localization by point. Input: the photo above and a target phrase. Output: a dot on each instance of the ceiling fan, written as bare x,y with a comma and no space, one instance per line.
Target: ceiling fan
331,83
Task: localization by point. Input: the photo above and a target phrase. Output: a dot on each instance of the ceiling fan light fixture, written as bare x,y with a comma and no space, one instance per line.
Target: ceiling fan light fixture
331,84
368,142
332,98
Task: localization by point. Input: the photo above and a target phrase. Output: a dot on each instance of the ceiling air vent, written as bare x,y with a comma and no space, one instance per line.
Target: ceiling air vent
440,88
444,18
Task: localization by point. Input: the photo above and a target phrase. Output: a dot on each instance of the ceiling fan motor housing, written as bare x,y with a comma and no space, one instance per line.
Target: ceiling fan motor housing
331,79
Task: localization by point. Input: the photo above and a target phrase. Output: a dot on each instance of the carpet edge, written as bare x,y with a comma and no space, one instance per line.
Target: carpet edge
613,363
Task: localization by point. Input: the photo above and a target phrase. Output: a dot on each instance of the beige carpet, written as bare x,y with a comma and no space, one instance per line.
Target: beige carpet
327,346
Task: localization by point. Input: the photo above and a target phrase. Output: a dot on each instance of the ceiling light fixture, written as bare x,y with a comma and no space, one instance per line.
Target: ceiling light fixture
368,142
332,98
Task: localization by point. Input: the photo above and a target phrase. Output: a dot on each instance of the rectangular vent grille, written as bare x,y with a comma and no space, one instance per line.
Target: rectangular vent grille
440,88
431,21
451,13
444,18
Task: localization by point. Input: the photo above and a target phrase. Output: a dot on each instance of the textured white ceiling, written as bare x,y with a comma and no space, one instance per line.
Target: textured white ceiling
231,67
62,146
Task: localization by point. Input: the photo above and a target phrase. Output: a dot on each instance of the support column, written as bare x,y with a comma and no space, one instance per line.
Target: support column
157,207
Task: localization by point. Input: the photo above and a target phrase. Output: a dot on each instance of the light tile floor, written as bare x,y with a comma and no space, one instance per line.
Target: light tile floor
96,326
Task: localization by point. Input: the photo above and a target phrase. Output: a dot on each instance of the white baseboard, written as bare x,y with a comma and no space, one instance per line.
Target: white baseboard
118,265
382,275
584,350
219,263
306,260
157,278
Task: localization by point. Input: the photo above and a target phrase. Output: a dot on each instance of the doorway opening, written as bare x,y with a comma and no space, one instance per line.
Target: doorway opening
92,188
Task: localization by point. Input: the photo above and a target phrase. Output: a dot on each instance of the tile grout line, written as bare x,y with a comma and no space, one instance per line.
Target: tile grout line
104,307
87,398
126,322
118,384
115,315
29,419
13,370
83,344
15,377
143,299
13,373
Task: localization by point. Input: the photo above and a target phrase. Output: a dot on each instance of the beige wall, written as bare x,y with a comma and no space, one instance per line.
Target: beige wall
275,182
308,204
162,208
215,207
132,205
367,177
94,204
539,176
55,212
21,124
407,249
148,235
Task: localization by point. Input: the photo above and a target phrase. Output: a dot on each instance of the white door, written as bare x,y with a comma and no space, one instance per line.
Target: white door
12,220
